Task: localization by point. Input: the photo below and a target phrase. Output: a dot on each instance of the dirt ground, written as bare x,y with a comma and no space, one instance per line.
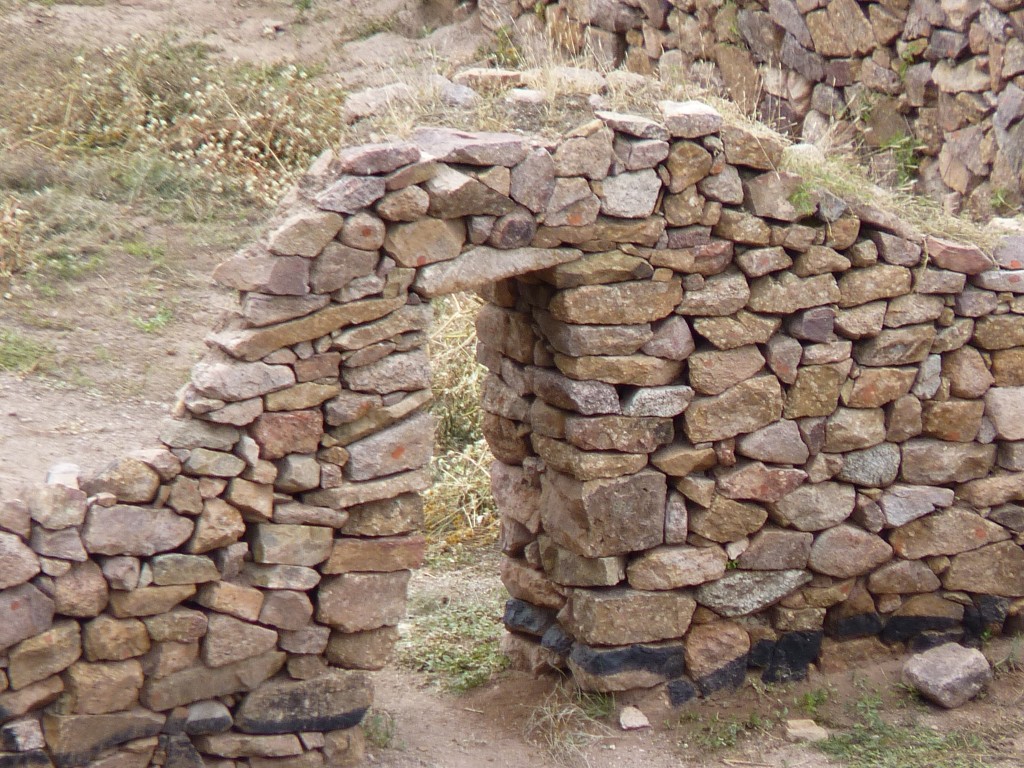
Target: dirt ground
111,375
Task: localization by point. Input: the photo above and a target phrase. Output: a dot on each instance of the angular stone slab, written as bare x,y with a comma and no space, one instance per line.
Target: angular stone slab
739,593
336,700
579,340
351,494
997,569
404,446
129,530
453,146
354,602
619,303
251,345
199,683
949,675
375,159
902,503
948,532
350,193
75,740
672,567
263,272
589,398
483,265
936,462
690,119
585,465
219,376
746,407
587,517
454,194
620,615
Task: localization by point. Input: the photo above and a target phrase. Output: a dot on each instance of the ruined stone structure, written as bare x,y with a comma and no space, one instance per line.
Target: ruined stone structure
731,413
943,79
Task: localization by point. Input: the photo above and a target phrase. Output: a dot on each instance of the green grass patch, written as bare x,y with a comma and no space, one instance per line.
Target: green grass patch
22,355
812,701
455,641
878,741
715,733
155,322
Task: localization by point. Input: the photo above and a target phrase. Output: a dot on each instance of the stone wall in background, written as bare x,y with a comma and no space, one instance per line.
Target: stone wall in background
731,412
939,82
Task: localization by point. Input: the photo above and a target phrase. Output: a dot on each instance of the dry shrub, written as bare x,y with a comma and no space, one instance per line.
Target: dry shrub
251,129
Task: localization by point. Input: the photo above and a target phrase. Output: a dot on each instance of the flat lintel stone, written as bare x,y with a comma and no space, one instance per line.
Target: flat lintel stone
482,265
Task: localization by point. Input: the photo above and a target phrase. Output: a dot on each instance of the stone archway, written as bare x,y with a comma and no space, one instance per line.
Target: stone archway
731,412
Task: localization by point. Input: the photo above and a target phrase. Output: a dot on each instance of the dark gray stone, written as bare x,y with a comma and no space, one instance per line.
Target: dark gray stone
181,753
334,701
37,758
521,616
665,661
206,717
791,655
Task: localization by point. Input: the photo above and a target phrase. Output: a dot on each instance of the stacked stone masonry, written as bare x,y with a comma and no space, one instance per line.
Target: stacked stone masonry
939,78
731,413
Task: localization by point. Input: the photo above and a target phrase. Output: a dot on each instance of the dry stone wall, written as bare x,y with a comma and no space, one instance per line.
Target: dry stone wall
730,411
942,79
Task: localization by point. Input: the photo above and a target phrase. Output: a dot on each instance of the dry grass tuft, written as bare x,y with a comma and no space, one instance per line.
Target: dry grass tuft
459,507
841,170
567,722
12,246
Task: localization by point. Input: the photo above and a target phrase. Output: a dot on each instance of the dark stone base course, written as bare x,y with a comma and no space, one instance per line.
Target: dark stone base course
861,625
900,629
792,654
728,677
333,702
760,656
666,662
34,759
931,639
521,616
987,615
681,691
555,639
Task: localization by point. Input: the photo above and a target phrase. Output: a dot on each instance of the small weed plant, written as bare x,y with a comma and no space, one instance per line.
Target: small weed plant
504,53
716,733
906,154
381,729
156,322
812,701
